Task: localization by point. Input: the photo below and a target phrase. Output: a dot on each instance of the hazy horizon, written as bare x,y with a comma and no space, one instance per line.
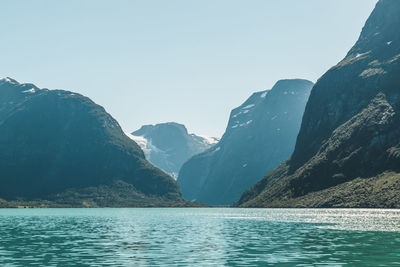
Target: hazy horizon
189,62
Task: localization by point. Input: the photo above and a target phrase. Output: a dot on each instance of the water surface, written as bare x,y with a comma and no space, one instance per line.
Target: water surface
199,237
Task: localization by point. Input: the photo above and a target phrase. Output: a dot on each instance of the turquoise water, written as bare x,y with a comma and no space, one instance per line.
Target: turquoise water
199,237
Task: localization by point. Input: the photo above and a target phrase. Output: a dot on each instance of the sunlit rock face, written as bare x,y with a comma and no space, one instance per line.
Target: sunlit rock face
350,128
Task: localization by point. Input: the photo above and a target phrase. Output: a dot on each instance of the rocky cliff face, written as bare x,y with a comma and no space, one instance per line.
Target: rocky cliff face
350,127
169,145
260,134
54,140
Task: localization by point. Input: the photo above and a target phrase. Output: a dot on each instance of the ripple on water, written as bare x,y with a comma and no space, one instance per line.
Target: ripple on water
199,237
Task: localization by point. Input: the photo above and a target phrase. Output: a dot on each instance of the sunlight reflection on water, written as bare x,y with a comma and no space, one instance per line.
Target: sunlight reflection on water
199,237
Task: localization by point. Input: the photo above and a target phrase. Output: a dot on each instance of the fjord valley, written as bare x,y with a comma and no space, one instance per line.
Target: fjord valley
263,133
59,148
347,152
260,134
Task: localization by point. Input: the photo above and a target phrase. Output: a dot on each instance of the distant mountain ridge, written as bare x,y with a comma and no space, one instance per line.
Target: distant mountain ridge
169,145
348,150
60,146
260,134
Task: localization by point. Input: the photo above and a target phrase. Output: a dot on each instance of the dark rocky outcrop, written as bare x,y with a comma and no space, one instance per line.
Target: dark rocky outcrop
55,140
350,128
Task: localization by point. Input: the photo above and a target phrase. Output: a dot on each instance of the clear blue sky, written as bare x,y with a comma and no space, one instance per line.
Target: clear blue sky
179,60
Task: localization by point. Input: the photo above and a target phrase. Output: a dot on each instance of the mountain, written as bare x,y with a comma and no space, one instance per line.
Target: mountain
169,145
348,150
260,134
61,147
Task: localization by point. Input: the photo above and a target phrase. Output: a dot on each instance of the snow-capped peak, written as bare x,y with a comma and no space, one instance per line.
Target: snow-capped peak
8,80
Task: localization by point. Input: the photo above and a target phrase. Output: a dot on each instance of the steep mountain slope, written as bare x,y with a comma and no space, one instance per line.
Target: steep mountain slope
53,140
169,145
260,134
350,128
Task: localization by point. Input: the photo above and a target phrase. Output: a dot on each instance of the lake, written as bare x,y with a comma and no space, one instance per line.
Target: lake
199,237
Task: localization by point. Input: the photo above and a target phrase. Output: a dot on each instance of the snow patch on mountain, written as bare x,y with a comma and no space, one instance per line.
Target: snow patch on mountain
169,145
8,80
248,106
209,140
30,91
142,142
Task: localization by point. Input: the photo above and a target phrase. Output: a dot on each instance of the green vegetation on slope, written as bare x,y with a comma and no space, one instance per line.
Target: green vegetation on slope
53,140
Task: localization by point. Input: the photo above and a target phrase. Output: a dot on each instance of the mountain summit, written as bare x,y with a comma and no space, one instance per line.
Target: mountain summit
169,145
60,146
260,134
348,150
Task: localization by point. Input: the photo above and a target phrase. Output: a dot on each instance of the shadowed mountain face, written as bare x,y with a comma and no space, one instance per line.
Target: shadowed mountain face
53,140
169,145
260,134
350,128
